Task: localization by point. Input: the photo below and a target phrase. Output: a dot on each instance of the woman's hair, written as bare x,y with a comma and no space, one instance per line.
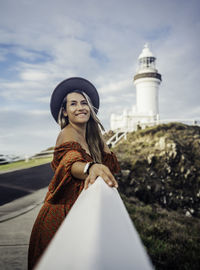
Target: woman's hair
93,130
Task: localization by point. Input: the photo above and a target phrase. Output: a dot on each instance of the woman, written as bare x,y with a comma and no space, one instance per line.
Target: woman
80,156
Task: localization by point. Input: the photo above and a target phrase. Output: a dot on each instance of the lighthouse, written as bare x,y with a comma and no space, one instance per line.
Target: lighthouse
146,111
147,81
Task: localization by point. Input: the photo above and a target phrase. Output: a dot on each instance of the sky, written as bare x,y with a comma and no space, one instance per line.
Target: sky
43,42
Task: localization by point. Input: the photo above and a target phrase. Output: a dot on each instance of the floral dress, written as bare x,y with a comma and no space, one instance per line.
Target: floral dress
63,191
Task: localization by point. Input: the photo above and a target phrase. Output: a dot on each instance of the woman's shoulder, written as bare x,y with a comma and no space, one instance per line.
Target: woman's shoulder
63,137
67,141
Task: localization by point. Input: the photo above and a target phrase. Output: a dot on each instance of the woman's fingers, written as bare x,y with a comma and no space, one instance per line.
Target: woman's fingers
109,179
102,171
115,184
89,180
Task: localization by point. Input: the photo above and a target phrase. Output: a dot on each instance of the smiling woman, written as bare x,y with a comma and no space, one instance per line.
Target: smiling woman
80,156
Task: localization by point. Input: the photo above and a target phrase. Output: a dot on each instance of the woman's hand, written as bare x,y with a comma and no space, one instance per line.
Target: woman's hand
103,171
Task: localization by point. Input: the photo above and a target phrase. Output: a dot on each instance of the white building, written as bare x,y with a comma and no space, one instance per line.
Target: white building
146,81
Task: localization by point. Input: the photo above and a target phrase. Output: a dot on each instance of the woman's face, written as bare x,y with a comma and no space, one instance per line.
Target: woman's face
77,109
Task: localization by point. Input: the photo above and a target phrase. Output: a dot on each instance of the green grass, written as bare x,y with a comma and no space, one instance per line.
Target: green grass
171,239
23,164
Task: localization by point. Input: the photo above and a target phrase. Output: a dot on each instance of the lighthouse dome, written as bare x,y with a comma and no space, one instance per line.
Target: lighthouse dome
146,52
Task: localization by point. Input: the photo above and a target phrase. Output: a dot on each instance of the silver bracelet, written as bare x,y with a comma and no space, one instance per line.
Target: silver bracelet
90,165
86,168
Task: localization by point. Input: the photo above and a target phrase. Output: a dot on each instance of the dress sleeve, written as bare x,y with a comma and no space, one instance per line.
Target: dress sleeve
63,174
110,160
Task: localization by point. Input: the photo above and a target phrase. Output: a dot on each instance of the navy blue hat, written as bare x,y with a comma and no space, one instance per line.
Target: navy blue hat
69,85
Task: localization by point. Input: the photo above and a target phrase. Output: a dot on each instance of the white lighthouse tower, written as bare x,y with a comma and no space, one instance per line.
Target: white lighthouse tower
146,111
147,81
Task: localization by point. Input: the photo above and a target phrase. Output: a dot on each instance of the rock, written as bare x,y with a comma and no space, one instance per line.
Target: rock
148,187
150,159
187,173
125,173
188,214
161,143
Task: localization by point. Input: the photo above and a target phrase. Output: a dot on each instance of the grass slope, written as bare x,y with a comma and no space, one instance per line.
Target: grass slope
23,164
171,239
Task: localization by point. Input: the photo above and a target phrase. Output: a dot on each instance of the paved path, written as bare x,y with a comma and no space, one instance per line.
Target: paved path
15,230
18,215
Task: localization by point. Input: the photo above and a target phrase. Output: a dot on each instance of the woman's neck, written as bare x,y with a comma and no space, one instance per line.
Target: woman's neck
80,130
79,134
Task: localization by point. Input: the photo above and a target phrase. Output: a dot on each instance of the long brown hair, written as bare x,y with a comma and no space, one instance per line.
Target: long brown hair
93,130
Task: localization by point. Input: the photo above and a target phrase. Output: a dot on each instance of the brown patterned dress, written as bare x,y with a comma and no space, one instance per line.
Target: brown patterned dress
63,191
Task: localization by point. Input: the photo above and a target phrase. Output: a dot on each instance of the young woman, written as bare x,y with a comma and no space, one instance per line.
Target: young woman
80,156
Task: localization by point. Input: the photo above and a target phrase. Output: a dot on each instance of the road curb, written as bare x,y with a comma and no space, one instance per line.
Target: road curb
22,205
19,212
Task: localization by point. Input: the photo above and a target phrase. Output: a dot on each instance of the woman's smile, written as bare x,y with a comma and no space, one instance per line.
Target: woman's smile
82,114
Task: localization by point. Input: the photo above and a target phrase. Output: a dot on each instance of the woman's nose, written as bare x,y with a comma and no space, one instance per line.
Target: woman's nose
80,106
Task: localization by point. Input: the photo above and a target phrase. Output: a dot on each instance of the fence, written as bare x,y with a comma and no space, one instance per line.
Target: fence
97,234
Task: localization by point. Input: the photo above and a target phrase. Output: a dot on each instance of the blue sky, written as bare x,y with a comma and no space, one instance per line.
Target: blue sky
44,42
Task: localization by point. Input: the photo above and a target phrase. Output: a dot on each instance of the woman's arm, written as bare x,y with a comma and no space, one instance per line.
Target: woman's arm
96,170
77,170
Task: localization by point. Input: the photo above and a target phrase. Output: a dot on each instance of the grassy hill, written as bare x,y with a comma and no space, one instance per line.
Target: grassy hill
160,185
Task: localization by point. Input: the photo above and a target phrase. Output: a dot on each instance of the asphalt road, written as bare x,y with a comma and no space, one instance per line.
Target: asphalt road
18,212
16,184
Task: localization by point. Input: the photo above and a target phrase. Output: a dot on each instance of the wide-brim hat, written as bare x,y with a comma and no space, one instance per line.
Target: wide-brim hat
69,85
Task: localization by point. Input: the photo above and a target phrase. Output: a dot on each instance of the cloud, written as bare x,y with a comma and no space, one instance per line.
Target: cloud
26,132
115,87
34,75
98,40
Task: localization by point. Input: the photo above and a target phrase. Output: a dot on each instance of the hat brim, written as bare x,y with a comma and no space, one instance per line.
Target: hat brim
69,85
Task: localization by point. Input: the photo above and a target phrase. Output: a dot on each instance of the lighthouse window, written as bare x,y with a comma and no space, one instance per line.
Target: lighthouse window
152,59
145,62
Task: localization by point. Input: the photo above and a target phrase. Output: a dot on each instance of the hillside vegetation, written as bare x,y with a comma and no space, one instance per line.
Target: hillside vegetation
162,164
160,185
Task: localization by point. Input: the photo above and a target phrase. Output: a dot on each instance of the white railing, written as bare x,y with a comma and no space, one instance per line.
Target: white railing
133,127
167,121
116,138
97,234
